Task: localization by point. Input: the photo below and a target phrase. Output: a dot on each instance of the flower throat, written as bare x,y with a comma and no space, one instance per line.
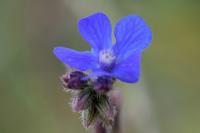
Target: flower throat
107,59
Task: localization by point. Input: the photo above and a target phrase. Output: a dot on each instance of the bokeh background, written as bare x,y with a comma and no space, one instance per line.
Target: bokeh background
166,100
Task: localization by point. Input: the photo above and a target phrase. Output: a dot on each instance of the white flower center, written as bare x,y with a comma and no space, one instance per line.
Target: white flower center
107,58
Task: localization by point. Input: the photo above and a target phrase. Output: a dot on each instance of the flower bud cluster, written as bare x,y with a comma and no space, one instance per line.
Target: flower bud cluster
90,98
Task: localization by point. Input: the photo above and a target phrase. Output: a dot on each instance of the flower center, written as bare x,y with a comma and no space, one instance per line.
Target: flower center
107,59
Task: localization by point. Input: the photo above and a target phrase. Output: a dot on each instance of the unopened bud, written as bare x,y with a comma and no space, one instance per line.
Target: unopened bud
73,80
103,84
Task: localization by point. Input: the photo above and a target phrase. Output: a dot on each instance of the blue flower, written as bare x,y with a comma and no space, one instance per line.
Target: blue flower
121,60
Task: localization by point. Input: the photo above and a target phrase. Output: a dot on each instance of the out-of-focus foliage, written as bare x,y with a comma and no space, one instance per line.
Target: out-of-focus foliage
32,101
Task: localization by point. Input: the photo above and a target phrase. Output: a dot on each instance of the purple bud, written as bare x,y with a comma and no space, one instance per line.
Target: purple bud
103,84
79,103
73,80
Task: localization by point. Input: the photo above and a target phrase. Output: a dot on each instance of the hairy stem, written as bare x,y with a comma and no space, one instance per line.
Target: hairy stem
100,129
116,126
116,99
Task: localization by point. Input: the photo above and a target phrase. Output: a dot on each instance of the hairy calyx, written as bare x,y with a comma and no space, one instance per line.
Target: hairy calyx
90,98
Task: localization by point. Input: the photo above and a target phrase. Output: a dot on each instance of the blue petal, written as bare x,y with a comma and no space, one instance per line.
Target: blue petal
132,34
128,70
79,60
97,31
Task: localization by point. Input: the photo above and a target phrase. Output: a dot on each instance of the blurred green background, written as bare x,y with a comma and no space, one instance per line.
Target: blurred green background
166,100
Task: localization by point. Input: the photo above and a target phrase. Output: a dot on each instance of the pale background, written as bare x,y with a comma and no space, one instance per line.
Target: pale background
166,100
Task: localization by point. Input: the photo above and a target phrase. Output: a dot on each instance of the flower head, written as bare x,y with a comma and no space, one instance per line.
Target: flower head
121,60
